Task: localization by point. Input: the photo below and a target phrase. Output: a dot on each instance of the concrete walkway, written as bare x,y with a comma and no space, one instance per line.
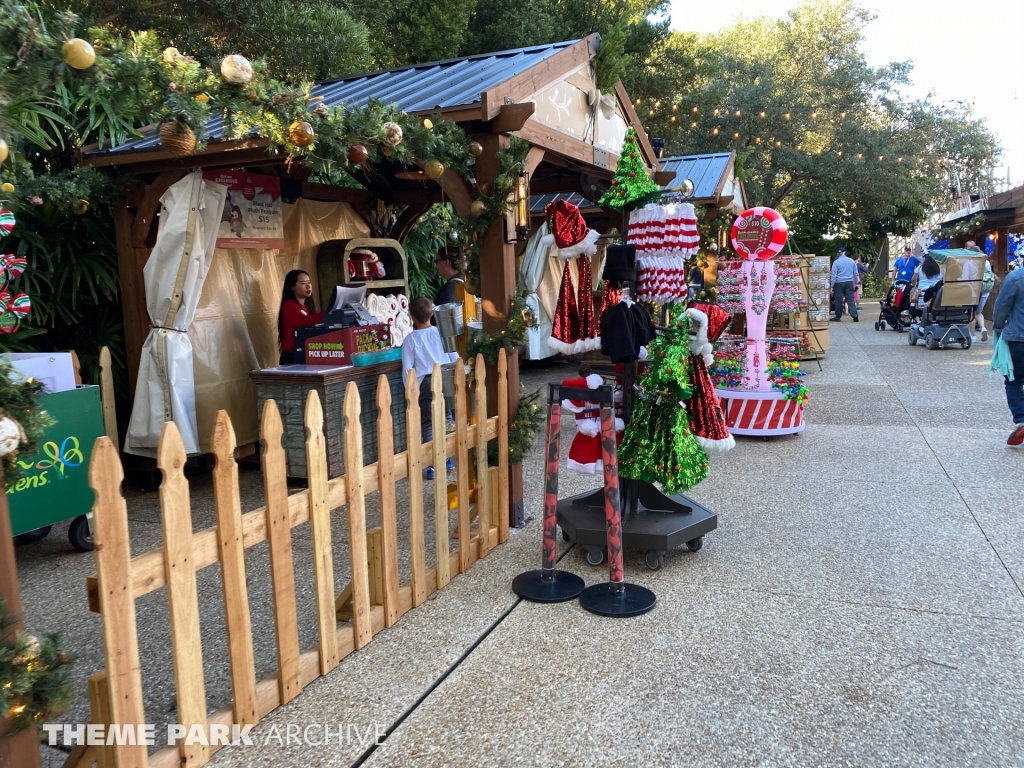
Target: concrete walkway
860,604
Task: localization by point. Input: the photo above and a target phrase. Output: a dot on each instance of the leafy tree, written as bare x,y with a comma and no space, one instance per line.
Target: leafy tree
822,135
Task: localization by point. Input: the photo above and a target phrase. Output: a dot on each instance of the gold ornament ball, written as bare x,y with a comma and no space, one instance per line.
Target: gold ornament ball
78,53
300,133
7,187
5,151
434,169
428,123
236,70
391,134
80,206
386,151
478,207
476,148
357,154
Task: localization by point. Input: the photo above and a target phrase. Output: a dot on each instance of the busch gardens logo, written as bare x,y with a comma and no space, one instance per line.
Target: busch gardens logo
52,463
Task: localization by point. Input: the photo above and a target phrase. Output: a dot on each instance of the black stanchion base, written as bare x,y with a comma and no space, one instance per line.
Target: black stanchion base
631,601
562,586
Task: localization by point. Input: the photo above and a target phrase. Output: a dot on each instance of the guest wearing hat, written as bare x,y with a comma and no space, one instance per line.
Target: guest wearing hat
844,275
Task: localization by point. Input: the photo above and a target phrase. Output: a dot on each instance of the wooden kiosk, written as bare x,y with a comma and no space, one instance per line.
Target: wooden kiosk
544,94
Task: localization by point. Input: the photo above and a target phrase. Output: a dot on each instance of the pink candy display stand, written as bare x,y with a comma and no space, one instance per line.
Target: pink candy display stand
755,408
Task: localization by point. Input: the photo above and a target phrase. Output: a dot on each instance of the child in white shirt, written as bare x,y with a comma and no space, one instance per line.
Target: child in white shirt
420,350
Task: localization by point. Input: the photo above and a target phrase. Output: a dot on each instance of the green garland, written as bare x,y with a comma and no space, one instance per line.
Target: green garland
19,399
35,682
522,430
520,318
963,228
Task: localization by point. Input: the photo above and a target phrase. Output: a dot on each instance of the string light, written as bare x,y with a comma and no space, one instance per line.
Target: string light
786,116
738,113
842,115
672,119
839,154
693,125
762,114
899,159
757,140
650,113
814,115
881,158
778,143
657,104
860,155
638,101
695,110
717,111
675,107
714,132
736,135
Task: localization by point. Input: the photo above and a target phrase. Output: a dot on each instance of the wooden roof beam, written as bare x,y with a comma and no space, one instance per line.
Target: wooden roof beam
538,77
513,117
634,120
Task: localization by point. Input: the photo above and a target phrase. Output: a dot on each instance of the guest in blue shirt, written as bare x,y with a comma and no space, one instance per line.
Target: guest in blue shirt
906,265
844,275
1008,322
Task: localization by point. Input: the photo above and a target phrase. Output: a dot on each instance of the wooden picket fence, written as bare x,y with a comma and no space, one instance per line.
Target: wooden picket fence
377,598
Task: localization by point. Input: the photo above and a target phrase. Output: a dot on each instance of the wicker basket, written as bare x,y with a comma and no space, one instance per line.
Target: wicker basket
178,139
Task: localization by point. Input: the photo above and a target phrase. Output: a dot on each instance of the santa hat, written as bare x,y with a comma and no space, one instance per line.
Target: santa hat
585,451
569,231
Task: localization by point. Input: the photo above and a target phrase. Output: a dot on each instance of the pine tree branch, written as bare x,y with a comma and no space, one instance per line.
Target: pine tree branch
138,9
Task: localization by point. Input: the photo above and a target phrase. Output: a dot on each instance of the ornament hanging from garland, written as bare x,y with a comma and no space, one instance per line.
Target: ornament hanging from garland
78,53
301,134
236,70
7,222
476,148
478,207
5,151
434,169
177,138
80,206
391,134
759,233
357,154
7,188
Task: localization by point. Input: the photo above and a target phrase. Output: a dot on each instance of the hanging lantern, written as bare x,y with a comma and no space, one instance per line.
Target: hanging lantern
434,169
522,206
78,53
301,134
236,70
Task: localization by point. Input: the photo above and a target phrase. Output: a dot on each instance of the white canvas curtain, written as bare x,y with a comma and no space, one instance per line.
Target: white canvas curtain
174,276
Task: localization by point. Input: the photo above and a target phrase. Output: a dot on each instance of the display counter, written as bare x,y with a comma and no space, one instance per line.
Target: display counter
288,387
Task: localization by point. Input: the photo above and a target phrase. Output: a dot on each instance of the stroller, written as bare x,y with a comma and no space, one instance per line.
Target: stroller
949,316
895,308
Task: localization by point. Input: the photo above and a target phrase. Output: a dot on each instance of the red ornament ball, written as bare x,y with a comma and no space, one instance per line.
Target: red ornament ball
632,174
357,153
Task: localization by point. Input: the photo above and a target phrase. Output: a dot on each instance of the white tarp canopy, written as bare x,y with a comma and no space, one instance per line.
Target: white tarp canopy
174,275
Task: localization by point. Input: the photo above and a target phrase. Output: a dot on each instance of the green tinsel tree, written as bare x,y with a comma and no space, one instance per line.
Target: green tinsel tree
657,446
632,180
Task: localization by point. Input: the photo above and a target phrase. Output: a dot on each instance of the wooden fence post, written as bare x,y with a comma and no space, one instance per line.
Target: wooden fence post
279,543
441,532
362,621
386,494
483,509
462,464
503,425
320,523
180,575
232,566
117,603
414,454
107,396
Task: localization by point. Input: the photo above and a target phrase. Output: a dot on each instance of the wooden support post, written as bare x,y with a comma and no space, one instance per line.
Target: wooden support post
279,541
503,465
231,549
441,532
130,263
320,522
361,618
498,281
386,494
179,572
413,439
117,603
21,751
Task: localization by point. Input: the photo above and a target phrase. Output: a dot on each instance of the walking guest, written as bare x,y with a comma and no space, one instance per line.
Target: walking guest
844,275
925,281
988,284
1008,323
905,265
420,350
862,269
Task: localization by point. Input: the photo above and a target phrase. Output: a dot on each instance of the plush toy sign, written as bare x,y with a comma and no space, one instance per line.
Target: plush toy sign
759,233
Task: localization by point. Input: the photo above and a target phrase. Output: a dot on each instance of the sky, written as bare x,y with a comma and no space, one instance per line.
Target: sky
960,51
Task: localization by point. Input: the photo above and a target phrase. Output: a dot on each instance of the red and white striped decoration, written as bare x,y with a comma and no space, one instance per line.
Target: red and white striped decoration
759,233
761,414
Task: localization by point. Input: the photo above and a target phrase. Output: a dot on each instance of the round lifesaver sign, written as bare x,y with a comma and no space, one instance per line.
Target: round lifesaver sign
759,233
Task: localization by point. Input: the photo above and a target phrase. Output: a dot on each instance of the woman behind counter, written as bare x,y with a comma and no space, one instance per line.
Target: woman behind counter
297,311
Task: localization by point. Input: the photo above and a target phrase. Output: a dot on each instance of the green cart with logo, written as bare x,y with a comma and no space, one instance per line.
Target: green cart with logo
54,484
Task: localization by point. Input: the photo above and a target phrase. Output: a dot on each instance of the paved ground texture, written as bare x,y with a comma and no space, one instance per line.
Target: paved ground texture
860,604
